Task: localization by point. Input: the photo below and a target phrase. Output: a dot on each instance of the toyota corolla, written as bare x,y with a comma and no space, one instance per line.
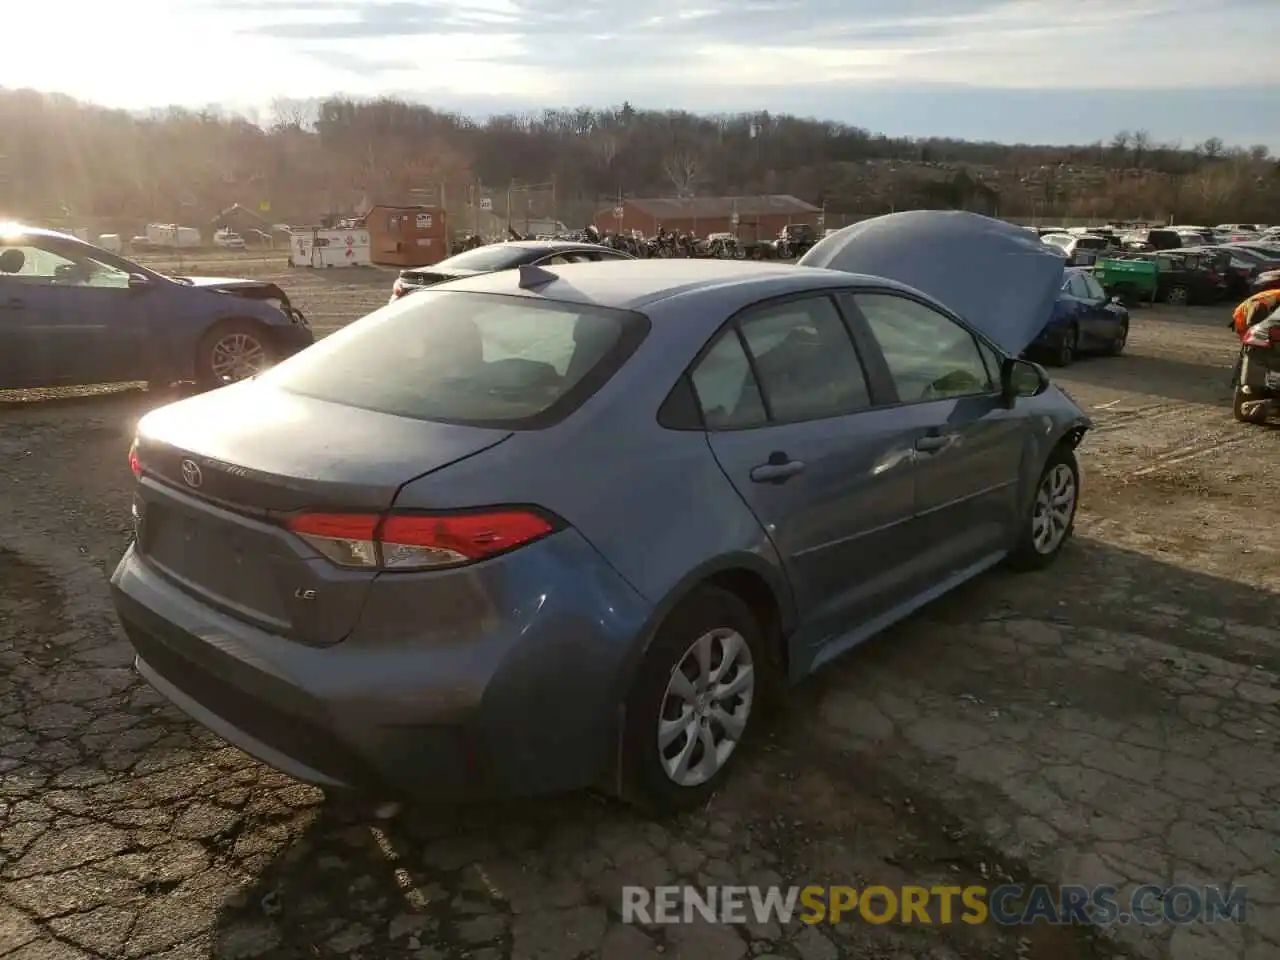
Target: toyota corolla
564,527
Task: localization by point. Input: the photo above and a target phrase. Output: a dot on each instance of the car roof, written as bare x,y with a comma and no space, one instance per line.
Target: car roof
11,231
548,245
641,283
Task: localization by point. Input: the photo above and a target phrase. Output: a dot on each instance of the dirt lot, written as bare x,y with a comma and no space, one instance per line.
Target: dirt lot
1112,720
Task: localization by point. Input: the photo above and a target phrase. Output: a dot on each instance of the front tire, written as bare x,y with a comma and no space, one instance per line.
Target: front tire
1051,520
1065,355
1177,296
694,699
1120,339
231,351
1248,409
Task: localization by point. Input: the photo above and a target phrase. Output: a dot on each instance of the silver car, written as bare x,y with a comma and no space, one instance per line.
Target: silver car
564,527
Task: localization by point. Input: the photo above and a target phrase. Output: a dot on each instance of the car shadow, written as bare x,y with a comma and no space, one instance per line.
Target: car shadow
1202,383
449,881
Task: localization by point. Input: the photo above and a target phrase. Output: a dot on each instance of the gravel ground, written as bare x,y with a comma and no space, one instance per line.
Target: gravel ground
1110,720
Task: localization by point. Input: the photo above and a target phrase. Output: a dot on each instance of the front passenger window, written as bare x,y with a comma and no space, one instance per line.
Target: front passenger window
929,355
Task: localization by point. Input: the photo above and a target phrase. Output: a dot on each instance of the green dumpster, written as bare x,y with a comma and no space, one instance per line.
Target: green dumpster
1131,279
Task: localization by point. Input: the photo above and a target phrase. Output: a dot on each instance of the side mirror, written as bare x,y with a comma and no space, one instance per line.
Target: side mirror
1022,378
139,281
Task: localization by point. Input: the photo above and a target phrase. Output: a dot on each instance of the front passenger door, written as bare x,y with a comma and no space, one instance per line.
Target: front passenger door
969,445
791,420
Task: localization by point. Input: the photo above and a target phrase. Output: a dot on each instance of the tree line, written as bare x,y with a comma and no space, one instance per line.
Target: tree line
61,159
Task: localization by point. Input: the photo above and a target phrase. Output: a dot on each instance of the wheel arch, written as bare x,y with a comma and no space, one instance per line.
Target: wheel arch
750,577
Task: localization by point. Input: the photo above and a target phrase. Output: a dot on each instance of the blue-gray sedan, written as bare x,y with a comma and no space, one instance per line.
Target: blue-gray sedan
565,527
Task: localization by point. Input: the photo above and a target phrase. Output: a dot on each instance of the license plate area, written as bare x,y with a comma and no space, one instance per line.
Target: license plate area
233,567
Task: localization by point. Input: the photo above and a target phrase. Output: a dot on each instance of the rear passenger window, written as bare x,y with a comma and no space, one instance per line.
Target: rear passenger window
807,364
726,388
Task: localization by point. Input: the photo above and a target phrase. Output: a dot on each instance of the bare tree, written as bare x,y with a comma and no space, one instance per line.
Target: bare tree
1211,149
682,170
1141,146
290,114
1120,146
605,148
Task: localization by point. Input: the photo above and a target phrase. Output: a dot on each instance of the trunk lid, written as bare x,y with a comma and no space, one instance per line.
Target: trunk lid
222,471
427,277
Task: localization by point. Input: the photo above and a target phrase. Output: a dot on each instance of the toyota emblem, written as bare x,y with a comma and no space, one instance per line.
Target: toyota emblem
191,473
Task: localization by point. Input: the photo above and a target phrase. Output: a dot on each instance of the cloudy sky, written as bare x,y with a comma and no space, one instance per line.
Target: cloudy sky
1026,70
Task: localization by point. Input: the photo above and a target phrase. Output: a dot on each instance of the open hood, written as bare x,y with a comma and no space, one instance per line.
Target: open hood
1000,278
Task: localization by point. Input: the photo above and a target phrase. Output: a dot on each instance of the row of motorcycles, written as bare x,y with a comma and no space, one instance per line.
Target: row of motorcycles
667,244
791,243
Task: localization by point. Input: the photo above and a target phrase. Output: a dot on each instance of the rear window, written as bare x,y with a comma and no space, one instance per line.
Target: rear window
1091,243
496,256
487,360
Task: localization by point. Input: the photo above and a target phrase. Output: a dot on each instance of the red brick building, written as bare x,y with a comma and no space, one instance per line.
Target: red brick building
759,217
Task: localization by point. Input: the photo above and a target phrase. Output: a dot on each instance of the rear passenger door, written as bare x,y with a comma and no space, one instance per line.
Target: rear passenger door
795,428
969,446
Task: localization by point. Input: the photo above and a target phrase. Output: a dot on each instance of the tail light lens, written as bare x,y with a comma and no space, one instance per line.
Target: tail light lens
1260,336
405,541
134,463
397,289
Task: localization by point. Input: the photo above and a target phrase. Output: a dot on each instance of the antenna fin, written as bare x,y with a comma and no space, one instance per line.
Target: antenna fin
533,276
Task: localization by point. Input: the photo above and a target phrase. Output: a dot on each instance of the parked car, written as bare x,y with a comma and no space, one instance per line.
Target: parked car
502,256
1079,249
1085,320
72,313
558,528
228,240
1193,275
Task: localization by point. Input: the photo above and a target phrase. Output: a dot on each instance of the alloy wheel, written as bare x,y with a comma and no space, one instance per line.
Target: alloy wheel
1055,508
706,706
237,356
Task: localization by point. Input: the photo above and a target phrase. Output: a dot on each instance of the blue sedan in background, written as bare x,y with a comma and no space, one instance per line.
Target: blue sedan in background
1085,320
72,313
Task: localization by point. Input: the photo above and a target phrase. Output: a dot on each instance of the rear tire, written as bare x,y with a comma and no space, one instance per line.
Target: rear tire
1177,296
703,715
1051,518
233,350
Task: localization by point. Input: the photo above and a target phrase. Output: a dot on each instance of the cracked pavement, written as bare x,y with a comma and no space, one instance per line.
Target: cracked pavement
1112,720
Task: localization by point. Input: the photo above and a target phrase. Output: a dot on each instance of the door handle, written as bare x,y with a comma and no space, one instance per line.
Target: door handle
779,469
931,444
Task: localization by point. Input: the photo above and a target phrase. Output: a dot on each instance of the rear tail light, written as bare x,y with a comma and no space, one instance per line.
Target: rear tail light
397,288
134,463
406,541
1261,337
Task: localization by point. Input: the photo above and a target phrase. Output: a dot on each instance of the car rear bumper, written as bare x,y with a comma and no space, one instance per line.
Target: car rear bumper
527,706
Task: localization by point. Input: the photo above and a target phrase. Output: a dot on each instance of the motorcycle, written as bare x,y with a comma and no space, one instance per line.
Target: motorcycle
1256,378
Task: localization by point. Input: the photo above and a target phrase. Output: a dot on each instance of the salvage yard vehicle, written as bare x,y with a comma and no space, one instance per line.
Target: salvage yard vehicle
565,527
1085,320
1256,375
1176,277
72,313
503,256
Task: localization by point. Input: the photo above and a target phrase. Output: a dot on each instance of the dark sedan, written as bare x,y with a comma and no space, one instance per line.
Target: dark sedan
72,313
503,256
1084,320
